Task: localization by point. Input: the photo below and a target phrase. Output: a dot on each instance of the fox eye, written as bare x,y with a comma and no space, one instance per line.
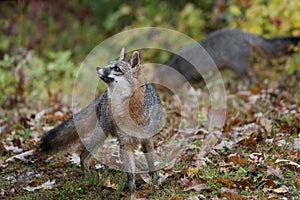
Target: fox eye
117,69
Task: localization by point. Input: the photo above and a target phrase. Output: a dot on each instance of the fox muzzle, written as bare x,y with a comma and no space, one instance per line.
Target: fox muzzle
103,73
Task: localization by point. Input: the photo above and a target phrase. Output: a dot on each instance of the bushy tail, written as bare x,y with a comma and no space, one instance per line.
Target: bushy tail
278,47
70,130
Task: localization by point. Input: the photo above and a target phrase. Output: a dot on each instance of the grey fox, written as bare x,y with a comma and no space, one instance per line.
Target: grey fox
229,48
129,109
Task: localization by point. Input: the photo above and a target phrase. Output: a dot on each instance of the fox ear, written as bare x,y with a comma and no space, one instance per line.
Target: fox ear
135,59
123,54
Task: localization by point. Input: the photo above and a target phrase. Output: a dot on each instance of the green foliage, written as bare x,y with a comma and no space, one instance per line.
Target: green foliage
34,76
271,18
7,83
56,36
268,18
182,16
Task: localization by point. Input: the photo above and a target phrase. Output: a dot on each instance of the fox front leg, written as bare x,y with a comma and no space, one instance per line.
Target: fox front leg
127,155
147,149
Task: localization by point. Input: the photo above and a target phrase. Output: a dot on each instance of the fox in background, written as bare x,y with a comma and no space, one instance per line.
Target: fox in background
130,109
228,48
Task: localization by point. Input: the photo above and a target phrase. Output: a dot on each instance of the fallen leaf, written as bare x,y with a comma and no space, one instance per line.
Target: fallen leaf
177,198
47,185
3,164
99,166
194,184
60,164
228,195
146,178
297,183
287,162
191,198
196,187
256,157
250,142
281,143
236,159
75,159
225,181
296,143
12,148
280,190
21,156
192,171
222,144
162,178
135,196
183,181
255,89
275,171
266,123
270,183
107,183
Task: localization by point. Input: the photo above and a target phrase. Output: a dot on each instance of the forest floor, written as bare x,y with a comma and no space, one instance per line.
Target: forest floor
256,155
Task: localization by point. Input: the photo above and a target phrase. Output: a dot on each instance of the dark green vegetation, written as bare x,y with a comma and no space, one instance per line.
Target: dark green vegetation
256,155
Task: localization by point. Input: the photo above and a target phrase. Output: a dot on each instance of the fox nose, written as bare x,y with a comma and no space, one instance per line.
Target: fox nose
99,70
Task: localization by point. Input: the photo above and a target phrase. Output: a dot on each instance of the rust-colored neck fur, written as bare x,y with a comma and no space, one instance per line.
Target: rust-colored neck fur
136,102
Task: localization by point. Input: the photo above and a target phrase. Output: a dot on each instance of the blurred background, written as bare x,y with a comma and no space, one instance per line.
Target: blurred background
42,43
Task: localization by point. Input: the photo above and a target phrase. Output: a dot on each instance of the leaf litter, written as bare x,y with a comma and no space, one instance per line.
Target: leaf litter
256,149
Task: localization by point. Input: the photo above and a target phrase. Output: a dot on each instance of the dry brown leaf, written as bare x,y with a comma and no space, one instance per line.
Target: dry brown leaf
297,183
287,162
195,184
177,198
184,170
243,183
225,181
107,183
256,89
135,195
236,159
266,123
60,164
250,142
183,181
228,195
270,183
196,187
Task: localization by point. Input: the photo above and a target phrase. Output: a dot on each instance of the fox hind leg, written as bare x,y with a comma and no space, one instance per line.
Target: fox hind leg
85,157
90,147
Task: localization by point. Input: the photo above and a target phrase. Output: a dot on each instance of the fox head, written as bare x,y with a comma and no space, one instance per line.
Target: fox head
123,75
